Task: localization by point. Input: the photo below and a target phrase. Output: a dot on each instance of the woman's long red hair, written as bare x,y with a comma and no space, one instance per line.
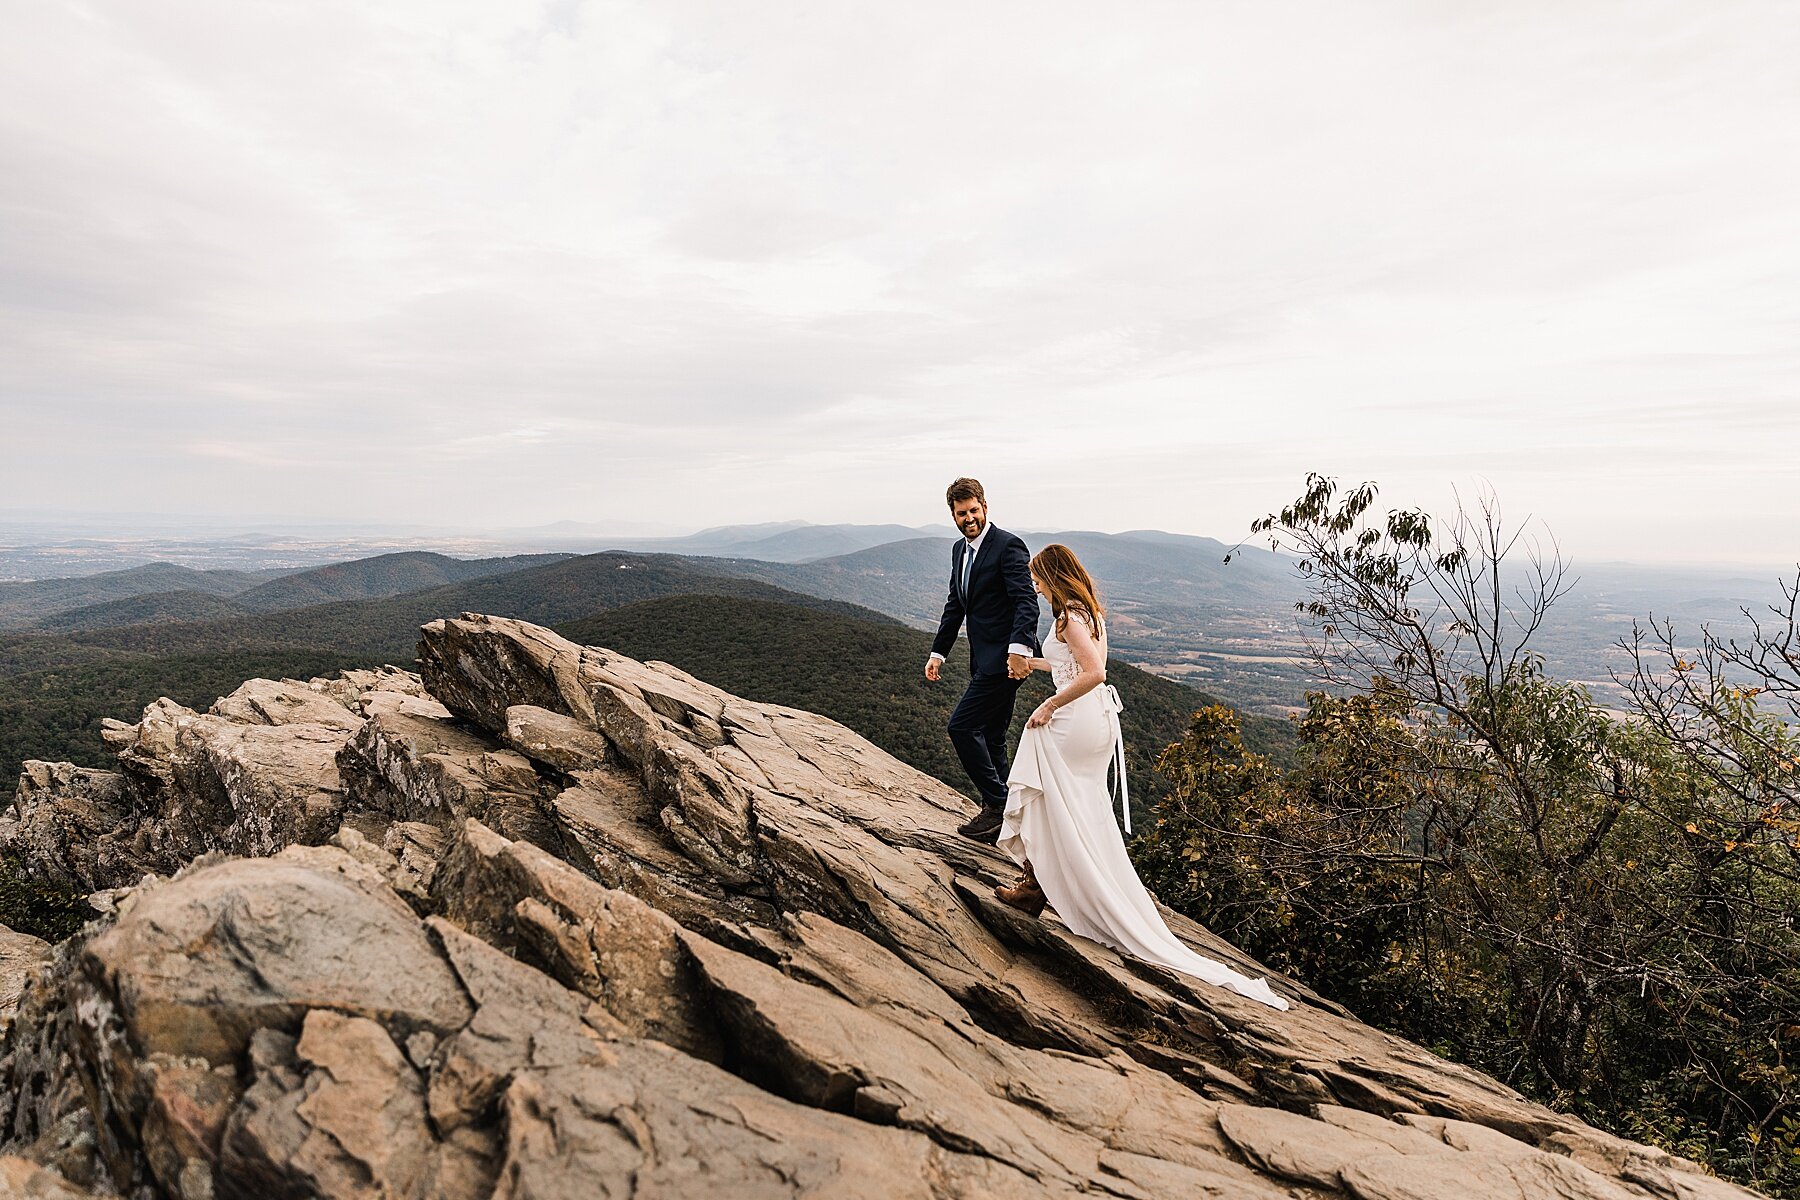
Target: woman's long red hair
1069,586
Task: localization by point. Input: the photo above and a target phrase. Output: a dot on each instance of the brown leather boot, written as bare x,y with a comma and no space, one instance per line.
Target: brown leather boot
1025,895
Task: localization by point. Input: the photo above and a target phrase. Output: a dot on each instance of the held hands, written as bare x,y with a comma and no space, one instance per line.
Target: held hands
1018,666
1040,715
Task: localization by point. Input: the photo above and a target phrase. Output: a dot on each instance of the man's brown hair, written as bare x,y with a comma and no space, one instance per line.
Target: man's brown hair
965,489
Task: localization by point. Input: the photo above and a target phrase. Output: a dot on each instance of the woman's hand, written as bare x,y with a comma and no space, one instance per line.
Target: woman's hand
1040,715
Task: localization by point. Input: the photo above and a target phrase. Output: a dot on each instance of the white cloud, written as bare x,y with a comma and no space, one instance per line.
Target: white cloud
1137,267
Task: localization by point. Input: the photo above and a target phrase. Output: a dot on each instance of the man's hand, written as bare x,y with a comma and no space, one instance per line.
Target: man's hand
934,669
1018,666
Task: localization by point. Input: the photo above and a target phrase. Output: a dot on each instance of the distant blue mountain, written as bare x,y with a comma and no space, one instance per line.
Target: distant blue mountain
909,578
780,541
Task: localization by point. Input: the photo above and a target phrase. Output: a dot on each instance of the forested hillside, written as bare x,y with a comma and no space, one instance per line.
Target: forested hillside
388,627
856,667
23,603
382,575
152,608
55,714
871,678
56,689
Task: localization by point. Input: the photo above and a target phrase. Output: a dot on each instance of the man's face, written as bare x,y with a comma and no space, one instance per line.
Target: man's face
970,517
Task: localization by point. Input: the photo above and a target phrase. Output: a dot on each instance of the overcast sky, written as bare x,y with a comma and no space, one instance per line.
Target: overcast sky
1133,265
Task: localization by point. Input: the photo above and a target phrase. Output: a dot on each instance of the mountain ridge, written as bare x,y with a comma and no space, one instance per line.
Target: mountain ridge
381,575
57,688
150,608
565,589
22,602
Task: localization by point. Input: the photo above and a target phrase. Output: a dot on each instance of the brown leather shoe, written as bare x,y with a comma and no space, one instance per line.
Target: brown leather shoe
1025,895
983,827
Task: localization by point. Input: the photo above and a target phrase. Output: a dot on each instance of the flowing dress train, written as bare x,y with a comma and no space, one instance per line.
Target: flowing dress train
1059,818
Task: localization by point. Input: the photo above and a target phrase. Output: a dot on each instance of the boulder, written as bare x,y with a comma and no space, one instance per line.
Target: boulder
259,771
554,740
287,702
434,770
22,1179
61,826
282,1062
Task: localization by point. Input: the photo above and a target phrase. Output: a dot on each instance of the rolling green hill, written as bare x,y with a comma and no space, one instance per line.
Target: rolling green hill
56,689
382,575
165,594
387,628
149,609
861,669
23,653
55,714
21,604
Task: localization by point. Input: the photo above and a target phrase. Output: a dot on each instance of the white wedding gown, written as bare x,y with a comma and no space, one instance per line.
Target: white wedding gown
1059,818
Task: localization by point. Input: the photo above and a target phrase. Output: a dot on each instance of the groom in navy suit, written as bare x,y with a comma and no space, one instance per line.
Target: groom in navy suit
990,591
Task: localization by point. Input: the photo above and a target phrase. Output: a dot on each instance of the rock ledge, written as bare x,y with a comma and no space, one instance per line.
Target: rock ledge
545,921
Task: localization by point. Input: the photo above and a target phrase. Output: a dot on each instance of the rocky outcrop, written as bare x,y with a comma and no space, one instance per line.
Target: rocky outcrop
67,823
257,772
546,921
20,956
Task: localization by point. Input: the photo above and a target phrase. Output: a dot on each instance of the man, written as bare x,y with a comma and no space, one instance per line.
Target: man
990,590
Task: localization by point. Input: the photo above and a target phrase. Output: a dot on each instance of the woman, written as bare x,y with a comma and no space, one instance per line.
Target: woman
1058,822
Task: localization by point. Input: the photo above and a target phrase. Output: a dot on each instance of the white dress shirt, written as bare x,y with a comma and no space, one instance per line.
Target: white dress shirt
974,548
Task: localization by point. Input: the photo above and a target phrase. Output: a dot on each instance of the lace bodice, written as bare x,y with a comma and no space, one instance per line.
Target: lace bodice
1063,667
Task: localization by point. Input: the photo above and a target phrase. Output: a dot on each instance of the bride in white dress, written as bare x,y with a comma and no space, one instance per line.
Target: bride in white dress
1058,823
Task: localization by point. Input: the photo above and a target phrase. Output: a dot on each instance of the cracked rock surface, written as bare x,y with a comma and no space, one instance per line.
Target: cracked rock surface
544,921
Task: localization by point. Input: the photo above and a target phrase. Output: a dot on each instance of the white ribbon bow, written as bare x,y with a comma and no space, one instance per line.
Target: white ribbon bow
1118,706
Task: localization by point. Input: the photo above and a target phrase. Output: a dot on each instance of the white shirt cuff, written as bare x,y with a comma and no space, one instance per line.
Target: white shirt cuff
936,656
1016,648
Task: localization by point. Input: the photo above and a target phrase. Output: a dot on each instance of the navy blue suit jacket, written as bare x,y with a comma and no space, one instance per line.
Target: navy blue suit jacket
1001,608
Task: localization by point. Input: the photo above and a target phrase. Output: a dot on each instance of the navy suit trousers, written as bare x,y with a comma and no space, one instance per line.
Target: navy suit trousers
978,731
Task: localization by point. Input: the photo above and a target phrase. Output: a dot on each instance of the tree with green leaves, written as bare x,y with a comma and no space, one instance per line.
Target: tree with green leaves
1474,853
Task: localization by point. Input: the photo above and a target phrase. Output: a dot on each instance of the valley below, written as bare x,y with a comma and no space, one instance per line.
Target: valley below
96,616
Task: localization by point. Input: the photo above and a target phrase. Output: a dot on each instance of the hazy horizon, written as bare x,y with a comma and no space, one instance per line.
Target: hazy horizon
468,266
202,528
